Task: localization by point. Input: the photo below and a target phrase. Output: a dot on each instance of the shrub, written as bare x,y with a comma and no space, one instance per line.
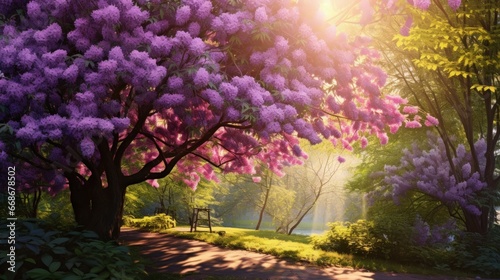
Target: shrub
383,238
42,253
393,238
336,239
157,222
478,253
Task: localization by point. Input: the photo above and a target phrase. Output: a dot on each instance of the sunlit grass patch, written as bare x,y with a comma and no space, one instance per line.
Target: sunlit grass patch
294,248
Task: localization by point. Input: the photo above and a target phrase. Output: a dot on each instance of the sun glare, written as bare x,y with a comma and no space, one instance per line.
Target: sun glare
331,8
326,9
343,14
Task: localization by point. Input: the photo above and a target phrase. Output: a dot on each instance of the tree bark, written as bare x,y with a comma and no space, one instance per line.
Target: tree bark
99,207
106,215
263,209
80,199
478,224
301,217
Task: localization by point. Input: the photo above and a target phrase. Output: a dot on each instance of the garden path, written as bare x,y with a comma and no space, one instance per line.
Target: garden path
199,260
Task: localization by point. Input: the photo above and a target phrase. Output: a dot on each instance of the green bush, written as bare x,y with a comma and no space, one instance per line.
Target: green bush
392,238
478,253
382,238
156,222
42,253
336,239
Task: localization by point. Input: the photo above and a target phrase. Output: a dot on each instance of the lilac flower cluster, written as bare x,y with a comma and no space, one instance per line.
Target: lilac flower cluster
429,172
425,234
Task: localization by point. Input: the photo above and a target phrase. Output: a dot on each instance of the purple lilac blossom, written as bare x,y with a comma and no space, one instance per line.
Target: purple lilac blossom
422,4
182,15
454,4
405,29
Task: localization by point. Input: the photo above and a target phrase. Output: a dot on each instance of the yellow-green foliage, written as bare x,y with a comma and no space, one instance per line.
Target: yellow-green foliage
156,222
465,45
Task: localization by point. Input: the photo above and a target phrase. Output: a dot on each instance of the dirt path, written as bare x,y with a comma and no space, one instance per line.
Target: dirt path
200,260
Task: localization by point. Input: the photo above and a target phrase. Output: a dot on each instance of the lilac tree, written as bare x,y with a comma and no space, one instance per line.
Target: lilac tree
100,95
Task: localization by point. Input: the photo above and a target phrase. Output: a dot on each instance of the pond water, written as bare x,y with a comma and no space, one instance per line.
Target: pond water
302,231
308,231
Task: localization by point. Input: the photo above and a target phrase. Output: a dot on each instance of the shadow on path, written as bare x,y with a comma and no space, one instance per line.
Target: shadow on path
200,260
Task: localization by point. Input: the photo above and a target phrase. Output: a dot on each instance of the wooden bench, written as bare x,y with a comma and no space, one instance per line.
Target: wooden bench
196,219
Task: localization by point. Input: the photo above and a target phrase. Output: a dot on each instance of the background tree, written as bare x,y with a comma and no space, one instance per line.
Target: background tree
237,195
255,191
285,199
308,183
449,66
265,183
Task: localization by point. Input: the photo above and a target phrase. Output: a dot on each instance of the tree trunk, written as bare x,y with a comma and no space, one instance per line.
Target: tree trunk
30,201
297,223
80,199
99,208
107,210
301,217
478,224
263,209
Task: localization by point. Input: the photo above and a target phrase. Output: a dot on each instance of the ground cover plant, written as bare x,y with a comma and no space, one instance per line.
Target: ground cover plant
157,222
44,253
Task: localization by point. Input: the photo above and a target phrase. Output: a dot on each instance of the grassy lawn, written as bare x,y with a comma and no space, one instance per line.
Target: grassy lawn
297,248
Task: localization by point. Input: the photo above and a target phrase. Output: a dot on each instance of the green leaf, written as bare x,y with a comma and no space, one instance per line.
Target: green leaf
96,269
34,248
59,250
72,277
54,266
47,259
59,240
38,273
78,272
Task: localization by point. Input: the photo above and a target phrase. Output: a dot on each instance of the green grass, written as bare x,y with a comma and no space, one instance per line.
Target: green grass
298,248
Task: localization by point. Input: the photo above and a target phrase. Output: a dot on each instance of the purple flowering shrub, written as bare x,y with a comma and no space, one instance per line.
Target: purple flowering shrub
430,172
